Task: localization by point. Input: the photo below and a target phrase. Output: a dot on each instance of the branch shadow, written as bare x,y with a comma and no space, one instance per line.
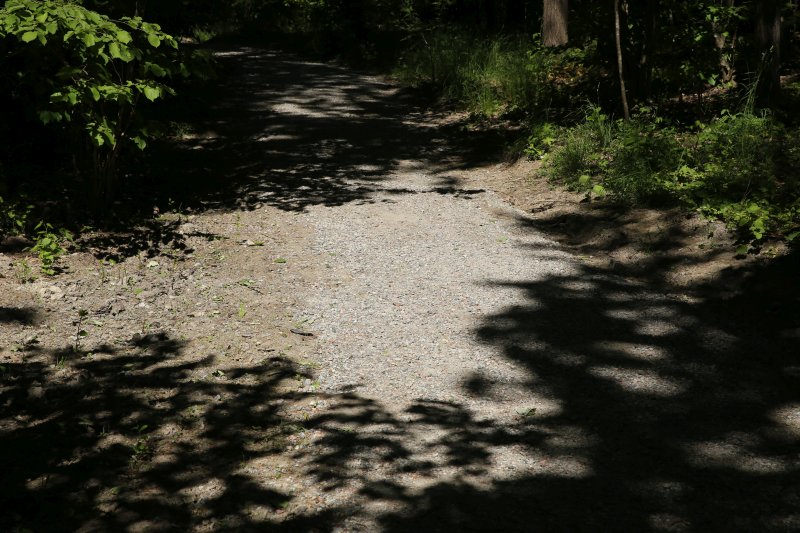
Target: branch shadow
687,413
276,130
23,316
288,133
127,437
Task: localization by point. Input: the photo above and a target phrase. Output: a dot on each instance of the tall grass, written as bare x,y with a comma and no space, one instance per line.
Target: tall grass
487,76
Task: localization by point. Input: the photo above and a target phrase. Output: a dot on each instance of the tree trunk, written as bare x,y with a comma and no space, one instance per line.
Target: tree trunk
618,37
554,23
649,46
768,32
725,44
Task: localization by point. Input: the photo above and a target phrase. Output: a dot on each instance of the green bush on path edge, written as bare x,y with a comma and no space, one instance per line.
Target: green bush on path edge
740,168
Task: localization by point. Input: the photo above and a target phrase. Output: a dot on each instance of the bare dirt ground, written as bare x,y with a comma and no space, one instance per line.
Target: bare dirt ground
359,319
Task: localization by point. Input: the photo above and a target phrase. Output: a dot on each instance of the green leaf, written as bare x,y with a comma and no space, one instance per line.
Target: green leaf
49,116
140,142
29,36
151,93
742,250
154,41
88,39
156,69
113,50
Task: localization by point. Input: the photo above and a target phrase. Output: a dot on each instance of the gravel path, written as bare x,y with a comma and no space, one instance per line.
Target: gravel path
475,376
343,329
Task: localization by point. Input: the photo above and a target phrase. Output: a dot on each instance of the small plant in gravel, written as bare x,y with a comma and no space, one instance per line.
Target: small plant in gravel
80,333
48,246
141,448
23,271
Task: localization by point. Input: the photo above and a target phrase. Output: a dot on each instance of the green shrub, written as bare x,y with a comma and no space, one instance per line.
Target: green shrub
14,217
739,168
642,158
736,156
87,73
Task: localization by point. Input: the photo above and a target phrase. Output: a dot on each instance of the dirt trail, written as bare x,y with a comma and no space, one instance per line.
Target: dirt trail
465,372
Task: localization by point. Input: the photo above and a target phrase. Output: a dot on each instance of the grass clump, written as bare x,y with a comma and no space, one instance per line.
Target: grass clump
489,76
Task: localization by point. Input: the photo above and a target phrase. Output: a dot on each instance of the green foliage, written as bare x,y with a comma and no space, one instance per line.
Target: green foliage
642,157
23,271
740,168
736,155
48,246
14,217
77,68
541,140
489,76
583,151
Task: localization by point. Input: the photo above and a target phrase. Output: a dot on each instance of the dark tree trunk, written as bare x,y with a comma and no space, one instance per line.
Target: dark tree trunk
554,23
725,44
768,32
618,39
649,47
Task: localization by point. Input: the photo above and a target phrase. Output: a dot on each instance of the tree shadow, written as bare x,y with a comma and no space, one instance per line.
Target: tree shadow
24,316
665,413
129,437
276,130
687,413
289,133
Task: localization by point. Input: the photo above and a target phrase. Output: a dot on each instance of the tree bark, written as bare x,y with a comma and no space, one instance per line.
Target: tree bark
725,45
648,49
618,37
554,23
768,32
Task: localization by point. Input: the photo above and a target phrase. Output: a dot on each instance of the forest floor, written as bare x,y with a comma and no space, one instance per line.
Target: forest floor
359,318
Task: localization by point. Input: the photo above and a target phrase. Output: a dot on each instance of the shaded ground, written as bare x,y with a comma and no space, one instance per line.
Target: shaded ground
467,373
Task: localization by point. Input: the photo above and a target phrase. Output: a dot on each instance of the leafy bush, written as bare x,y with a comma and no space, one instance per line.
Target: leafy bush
736,156
87,73
16,219
642,157
740,168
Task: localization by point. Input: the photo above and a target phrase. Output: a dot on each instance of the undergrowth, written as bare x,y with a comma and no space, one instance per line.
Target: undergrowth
738,167
47,242
491,76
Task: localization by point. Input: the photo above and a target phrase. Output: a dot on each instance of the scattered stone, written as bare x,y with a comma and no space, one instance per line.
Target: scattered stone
51,292
187,229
